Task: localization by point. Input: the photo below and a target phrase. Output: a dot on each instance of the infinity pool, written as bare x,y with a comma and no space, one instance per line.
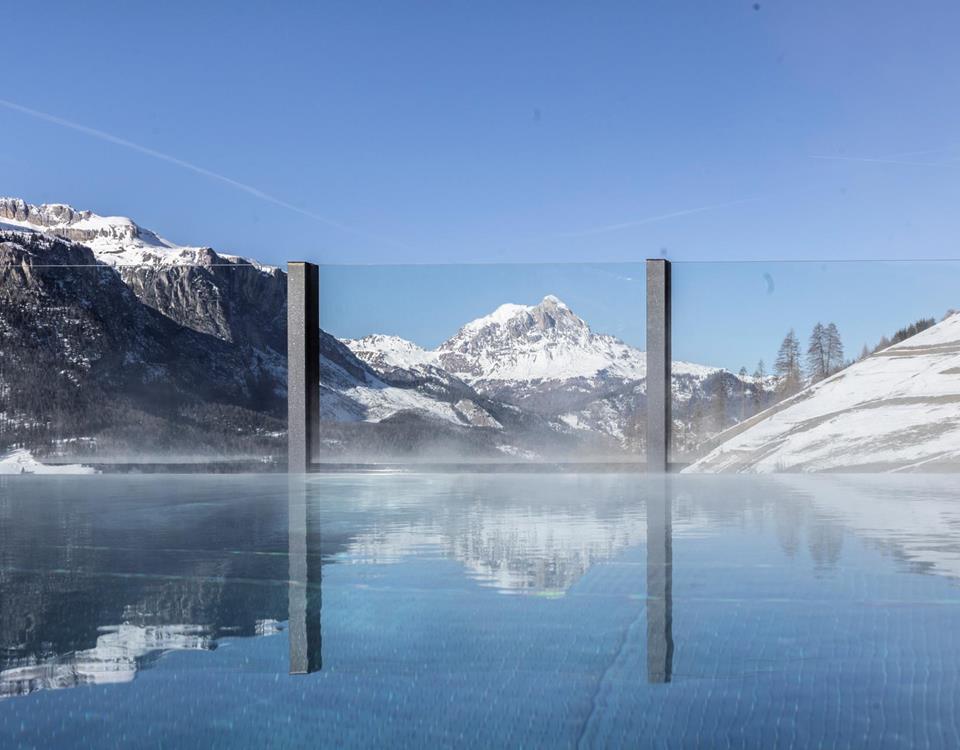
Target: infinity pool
476,610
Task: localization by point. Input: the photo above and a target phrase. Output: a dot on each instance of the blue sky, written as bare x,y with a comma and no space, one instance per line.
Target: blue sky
729,314
420,132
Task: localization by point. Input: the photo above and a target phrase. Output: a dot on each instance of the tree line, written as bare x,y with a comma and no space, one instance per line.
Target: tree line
824,355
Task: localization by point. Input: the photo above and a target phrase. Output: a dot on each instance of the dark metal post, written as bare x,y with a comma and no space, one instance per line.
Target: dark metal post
659,418
303,364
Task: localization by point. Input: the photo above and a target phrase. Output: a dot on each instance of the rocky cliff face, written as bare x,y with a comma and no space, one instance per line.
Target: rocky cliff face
77,226
230,299
87,367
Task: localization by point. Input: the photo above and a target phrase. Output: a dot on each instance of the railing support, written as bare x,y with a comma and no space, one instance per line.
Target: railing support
303,364
659,396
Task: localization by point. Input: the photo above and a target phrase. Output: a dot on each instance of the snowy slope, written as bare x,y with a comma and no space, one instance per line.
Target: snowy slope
898,409
115,240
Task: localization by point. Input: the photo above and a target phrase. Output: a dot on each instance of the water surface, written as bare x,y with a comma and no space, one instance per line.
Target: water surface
476,610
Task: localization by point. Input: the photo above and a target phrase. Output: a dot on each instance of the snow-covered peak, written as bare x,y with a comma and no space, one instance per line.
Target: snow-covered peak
381,350
546,341
115,240
547,312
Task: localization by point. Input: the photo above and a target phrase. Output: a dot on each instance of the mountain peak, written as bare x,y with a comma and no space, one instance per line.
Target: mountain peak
114,240
552,301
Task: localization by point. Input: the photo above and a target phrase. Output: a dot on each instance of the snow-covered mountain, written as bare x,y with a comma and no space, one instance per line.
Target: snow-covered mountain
546,360
527,381
115,240
181,360
543,342
896,410
514,343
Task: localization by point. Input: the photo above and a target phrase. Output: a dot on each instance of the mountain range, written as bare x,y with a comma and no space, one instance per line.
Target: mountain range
153,348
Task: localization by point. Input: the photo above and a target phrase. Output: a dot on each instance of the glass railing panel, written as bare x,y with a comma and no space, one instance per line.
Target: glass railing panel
788,366
117,367
504,363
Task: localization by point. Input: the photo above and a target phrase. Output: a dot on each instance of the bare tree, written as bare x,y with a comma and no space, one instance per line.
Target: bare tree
787,366
759,385
818,365
834,349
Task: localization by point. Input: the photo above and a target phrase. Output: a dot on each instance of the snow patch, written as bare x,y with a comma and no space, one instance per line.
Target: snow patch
21,461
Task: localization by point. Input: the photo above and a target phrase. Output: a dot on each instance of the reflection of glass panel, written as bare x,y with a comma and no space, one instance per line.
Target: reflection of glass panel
497,363
171,362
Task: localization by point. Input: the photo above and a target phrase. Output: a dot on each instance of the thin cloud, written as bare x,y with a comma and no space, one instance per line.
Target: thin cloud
131,145
654,219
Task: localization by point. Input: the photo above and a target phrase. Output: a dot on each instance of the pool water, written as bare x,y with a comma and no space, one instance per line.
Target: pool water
478,610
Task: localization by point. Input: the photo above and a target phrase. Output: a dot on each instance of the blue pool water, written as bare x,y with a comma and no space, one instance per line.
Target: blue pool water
479,610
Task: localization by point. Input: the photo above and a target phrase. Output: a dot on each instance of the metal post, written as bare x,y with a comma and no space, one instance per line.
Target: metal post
303,364
659,418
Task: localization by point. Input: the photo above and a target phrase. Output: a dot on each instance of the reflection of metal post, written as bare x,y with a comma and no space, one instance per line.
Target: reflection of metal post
659,419
659,584
304,587
303,364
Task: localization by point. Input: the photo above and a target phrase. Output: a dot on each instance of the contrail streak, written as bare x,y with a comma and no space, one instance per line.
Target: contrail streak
249,189
653,219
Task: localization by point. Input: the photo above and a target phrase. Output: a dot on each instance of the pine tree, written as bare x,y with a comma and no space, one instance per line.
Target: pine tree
834,349
818,365
865,352
787,366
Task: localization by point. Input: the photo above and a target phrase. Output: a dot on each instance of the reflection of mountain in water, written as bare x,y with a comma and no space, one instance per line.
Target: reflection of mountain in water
512,550
541,534
101,577
119,653
537,534
914,519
